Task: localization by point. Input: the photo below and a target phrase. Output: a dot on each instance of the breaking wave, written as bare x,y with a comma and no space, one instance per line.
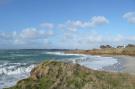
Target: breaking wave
15,68
10,73
95,62
63,54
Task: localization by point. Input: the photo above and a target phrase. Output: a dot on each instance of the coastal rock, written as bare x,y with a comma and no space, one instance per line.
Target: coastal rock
60,75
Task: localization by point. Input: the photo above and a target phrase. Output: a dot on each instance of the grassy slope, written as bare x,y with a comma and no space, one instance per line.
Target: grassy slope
58,75
105,51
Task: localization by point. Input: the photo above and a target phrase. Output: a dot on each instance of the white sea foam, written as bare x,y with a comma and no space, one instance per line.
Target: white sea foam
15,68
95,62
8,81
63,54
21,55
10,73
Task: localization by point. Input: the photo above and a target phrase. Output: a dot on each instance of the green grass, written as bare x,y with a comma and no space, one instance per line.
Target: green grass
58,75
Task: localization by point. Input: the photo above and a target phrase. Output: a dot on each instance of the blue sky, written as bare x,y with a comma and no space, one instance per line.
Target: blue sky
82,24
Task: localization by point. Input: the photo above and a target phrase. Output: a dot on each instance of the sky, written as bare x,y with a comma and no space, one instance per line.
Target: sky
66,24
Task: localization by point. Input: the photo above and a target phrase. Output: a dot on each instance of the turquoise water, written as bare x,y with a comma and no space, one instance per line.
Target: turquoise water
17,64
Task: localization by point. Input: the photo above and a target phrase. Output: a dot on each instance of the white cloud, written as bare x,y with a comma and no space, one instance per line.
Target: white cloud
46,25
34,38
41,36
30,34
28,37
98,20
78,24
130,17
94,40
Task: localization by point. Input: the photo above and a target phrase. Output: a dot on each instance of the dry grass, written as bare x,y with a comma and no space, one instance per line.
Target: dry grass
107,51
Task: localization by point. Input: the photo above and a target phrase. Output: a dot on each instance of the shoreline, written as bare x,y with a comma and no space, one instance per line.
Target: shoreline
126,64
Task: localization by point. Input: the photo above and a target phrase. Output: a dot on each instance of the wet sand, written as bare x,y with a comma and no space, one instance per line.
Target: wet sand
125,64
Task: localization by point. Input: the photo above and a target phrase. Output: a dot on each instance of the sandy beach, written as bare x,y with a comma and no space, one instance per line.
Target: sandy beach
125,64
128,63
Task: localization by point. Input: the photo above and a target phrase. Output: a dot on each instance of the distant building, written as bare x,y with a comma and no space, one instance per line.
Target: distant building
124,46
120,46
105,46
130,45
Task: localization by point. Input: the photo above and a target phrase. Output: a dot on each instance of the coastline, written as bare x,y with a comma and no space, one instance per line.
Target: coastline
124,56
128,63
122,66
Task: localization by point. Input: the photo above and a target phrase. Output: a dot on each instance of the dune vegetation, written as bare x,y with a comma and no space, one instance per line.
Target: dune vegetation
59,75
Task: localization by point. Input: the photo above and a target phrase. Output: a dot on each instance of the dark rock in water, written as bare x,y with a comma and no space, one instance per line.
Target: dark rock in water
59,75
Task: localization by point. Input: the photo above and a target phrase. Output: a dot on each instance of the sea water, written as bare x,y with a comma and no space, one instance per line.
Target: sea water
17,64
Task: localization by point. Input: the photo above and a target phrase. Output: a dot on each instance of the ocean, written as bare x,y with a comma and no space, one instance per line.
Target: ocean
17,64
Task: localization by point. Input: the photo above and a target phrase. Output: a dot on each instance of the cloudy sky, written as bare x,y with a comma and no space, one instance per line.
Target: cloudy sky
70,24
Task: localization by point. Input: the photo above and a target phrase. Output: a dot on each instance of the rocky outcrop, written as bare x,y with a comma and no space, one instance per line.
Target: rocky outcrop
59,75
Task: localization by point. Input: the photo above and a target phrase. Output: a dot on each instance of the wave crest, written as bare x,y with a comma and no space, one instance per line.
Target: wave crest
15,68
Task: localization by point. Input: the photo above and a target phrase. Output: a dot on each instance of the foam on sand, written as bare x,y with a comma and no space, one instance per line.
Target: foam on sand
90,61
95,62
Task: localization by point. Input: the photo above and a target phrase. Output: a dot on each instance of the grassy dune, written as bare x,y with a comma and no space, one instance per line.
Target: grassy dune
59,75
